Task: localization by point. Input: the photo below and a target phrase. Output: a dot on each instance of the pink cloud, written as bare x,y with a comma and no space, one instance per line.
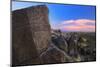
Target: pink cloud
78,25
78,21
79,28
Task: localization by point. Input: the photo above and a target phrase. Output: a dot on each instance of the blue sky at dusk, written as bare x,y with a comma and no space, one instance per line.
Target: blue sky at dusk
66,17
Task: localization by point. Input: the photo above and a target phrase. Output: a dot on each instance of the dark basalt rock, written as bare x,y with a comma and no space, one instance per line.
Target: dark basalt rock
30,34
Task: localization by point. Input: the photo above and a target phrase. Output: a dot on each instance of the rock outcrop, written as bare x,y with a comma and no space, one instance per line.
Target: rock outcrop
30,34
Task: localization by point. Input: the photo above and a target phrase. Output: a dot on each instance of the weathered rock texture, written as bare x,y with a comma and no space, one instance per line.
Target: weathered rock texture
52,55
30,34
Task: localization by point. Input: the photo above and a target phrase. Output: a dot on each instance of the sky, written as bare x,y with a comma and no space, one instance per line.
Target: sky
68,18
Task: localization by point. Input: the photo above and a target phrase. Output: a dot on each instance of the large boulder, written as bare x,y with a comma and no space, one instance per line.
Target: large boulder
30,34
52,55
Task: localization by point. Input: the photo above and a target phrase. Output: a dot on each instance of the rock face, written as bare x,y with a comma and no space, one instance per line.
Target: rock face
30,34
39,22
52,55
